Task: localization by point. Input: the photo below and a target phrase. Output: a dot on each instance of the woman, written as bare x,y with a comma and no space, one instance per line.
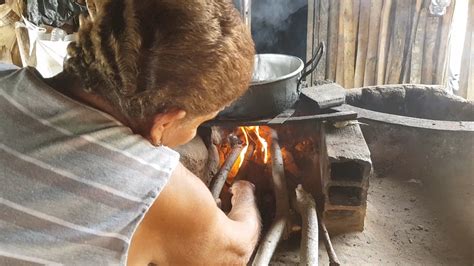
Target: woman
88,177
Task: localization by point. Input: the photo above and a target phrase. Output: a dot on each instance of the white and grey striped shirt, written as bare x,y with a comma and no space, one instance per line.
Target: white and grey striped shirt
74,182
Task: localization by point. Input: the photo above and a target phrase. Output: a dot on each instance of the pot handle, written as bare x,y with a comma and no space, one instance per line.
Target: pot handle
312,63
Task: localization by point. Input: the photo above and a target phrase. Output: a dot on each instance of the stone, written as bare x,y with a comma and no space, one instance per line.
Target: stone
194,157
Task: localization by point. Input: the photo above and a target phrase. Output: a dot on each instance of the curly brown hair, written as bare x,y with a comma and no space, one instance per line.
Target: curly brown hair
147,56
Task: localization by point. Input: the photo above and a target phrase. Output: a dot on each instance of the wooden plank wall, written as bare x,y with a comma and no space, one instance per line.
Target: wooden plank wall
372,42
466,79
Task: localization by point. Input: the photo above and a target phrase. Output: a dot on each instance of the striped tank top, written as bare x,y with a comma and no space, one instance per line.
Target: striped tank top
74,182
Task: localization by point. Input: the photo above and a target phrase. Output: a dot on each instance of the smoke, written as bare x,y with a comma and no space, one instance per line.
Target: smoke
269,17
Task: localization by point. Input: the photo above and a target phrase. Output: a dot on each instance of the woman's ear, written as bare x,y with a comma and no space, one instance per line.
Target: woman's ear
162,121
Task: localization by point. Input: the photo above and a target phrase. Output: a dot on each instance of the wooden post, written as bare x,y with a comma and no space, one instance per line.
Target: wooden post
443,46
382,46
340,45
332,45
372,45
320,73
397,39
429,53
310,35
362,43
414,16
349,43
418,47
466,84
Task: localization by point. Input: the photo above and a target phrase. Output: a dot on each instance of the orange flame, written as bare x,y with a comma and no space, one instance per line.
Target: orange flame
260,143
240,160
264,144
244,150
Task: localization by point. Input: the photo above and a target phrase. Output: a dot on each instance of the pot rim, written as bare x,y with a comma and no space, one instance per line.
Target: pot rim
284,77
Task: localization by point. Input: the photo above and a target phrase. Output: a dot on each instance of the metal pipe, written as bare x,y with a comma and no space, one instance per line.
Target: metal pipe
246,12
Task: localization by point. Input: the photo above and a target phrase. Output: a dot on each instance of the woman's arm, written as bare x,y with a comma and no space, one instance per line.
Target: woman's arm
184,225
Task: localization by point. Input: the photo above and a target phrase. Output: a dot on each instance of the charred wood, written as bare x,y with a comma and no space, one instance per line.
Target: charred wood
225,169
279,228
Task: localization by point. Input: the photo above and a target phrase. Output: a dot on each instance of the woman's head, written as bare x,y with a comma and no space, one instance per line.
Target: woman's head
146,57
150,57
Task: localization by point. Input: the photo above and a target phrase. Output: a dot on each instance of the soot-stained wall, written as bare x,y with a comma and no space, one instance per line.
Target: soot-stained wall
279,26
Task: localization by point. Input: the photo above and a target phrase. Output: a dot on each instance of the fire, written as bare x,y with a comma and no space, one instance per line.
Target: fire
263,143
253,134
241,159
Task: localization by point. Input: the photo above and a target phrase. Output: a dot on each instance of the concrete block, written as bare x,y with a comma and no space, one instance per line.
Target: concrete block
340,221
345,170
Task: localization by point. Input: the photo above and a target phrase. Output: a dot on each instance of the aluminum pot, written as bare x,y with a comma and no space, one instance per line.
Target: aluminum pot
274,87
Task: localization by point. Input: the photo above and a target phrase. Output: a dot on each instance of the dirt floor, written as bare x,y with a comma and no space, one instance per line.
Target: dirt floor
399,230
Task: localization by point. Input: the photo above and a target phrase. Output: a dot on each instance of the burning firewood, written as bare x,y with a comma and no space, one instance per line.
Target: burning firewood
225,169
243,171
306,207
279,228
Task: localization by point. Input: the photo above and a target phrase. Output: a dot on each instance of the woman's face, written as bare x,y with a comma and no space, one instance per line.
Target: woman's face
181,131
